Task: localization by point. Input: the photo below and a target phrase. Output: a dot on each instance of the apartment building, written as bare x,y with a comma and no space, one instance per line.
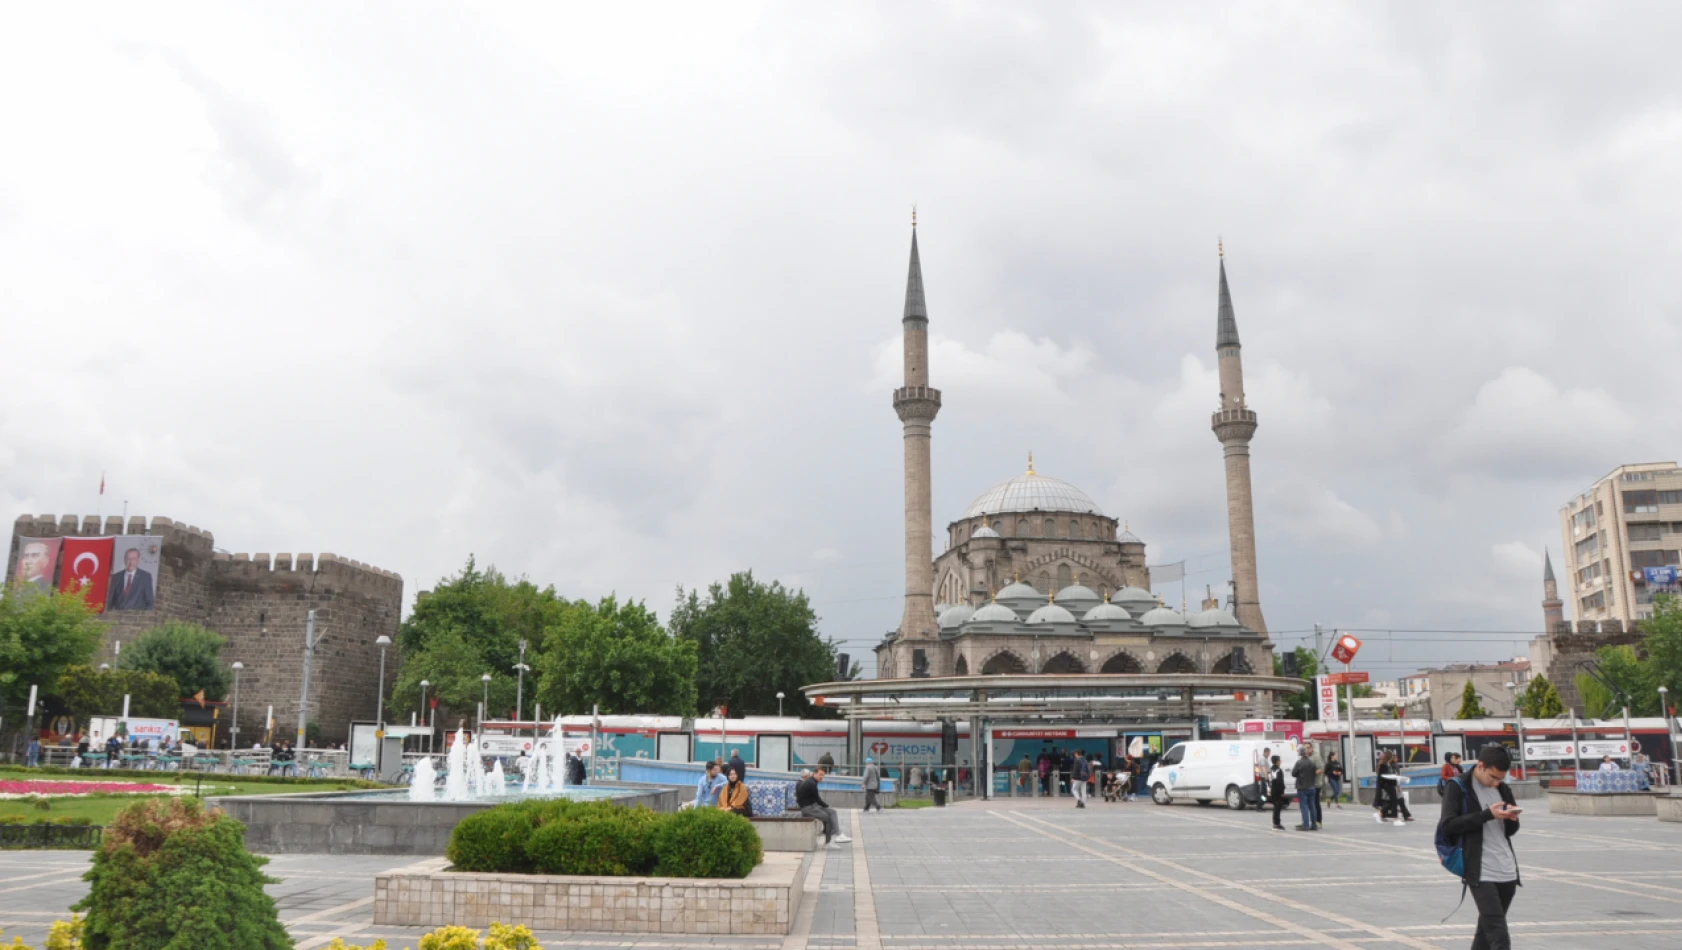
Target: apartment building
1623,542
1436,694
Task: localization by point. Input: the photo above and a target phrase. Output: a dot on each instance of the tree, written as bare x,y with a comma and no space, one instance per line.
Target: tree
184,652
41,634
615,656
1663,646
1540,700
753,640
89,692
1623,679
470,625
1301,705
1470,706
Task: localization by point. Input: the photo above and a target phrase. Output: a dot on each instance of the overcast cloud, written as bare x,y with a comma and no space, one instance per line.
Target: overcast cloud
611,298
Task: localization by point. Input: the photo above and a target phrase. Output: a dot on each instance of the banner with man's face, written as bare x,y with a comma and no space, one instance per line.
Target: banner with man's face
37,558
134,572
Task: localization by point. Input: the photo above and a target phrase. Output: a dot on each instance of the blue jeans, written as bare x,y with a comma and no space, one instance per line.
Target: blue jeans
1308,800
1337,788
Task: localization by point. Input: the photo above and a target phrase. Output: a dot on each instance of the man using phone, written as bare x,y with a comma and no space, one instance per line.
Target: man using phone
1484,827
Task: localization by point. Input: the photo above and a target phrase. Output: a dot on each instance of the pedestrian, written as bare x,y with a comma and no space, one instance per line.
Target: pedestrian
872,785
1261,776
707,787
737,764
1065,766
32,755
1334,778
1080,771
812,805
1387,795
1479,813
1308,791
1045,773
827,761
1024,774
733,797
1606,764
1274,784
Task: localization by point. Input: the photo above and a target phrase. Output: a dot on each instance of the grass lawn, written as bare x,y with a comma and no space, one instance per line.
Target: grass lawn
914,803
99,809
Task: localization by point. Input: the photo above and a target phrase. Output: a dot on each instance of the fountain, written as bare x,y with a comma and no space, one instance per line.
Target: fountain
422,785
466,778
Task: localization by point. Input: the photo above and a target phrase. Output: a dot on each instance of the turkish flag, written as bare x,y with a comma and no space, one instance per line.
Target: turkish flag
87,567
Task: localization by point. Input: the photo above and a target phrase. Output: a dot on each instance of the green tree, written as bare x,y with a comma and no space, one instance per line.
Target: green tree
1540,700
618,656
469,625
753,640
41,634
1624,678
1470,706
1300,705
1663,646
185,652
89,692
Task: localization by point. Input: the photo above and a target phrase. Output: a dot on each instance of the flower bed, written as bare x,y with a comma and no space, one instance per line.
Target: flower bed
10,788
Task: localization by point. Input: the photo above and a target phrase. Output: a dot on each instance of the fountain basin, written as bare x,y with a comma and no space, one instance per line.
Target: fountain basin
386,822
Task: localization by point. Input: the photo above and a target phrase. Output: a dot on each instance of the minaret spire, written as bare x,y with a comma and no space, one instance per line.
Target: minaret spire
1235,425
917,403
1553,609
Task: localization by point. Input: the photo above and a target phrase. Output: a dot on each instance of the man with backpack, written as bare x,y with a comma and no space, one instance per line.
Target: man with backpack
1478,817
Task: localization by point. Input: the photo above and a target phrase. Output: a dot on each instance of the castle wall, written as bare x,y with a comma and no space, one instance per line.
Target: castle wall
259,604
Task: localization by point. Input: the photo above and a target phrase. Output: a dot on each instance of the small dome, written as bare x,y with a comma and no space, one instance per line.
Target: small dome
1106,612
985,531
1162,617
1133,595
993,613
1213,617
955,615
1128,537
1051,613
1020,590
1077,592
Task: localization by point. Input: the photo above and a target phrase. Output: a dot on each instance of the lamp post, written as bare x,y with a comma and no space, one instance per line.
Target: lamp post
382,642
1518,721
233,743
520,669
424,719
485,706
1670,731
779,704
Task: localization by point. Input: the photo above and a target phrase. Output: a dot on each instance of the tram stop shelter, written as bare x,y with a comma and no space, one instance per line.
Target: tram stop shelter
1106,710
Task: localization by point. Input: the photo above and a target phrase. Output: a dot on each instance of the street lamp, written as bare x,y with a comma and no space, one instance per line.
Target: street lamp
779,704
520,688
428,722
234,742
382,642
1670,732
485,707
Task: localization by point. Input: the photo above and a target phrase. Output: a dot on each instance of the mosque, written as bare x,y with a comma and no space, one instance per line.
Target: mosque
1036,578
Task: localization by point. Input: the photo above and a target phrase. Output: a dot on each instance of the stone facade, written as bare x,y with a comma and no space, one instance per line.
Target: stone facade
1571,646
259,603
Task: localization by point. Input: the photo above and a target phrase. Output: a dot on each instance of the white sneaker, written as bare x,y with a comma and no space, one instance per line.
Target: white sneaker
843,839
1399,823
1378,818
833,846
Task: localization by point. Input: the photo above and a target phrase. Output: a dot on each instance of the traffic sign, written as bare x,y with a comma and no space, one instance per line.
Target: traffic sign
1345,648
1348,679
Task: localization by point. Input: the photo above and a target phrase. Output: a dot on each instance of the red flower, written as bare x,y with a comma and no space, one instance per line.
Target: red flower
34,787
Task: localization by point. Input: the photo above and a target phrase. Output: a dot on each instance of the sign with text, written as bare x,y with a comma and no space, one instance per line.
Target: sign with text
1345,648
1348,679
1036,733
1325,697
1595,748
1549,750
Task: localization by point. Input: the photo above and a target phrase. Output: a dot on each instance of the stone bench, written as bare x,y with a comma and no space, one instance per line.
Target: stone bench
791,832
1602,804
1669,807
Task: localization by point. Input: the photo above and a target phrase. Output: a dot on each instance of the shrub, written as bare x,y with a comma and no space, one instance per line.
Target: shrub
706,842
492,840
171,876
502,937
593,844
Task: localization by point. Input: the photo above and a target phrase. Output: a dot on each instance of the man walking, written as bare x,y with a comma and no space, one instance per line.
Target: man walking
812,805
1479,811
1308,790
872,785
1081,770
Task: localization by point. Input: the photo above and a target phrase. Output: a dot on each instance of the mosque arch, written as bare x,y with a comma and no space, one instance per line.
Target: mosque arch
1122,662
1222,665
1050,528
1065,577
1044,585
999,526
1022,527
1074,529
1064,663
1092,531
1003,663
1177,663
962,669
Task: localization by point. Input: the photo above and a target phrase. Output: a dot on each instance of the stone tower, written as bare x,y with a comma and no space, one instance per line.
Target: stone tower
917,403
1235,424
1553,609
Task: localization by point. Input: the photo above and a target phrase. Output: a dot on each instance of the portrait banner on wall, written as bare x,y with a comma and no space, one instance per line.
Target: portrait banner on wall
87,566
134,572
36,559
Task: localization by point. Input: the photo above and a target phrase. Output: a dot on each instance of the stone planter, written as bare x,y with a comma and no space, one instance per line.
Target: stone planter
794,833
427,895
1669,807
1602,804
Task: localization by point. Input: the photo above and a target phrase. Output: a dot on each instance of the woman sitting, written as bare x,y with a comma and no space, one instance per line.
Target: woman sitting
734,796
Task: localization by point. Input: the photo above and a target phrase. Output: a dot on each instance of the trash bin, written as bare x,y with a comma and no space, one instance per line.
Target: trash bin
939,792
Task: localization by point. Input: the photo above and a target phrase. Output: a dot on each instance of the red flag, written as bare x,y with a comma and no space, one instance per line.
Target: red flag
87,567
102,484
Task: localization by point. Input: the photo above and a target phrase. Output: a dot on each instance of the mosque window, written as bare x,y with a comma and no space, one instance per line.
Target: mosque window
1074,530
1064,577
1050,527
1022,527
999,526
1092,531
1044,585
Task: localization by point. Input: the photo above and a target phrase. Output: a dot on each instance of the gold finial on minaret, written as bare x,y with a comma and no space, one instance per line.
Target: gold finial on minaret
913,217
1220,246
1031,464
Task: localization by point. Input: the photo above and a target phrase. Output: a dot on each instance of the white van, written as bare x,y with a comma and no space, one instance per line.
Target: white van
1212,770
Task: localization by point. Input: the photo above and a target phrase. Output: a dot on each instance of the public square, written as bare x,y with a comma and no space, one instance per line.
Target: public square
1040,874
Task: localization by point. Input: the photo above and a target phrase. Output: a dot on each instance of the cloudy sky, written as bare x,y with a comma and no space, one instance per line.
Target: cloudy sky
613,301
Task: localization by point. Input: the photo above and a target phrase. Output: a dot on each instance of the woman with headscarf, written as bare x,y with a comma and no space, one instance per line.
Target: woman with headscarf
734,795
1387,794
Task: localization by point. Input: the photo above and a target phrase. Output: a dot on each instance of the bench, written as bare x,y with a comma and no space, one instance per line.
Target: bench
792,832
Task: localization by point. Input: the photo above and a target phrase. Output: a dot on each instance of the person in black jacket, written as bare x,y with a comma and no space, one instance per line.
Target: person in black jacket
1483,827
1276,791
812,805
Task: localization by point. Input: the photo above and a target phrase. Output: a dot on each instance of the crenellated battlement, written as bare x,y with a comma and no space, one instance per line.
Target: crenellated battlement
305,563
54,526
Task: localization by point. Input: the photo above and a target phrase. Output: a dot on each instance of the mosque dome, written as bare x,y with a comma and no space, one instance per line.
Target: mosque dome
1127,536
1133,595
1020,590
1077,592
1213,617
993,613
956,614
985,531
1032,492
1051,613
1162,617
1106,611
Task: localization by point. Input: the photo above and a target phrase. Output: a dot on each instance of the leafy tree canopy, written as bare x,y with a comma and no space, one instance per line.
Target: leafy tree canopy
1621,678
1299,705
1540,700
41,634
752,640
185,652
1664,647
618,656
89,692
1471,707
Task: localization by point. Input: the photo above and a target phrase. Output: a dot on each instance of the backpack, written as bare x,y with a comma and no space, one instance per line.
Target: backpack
1450,853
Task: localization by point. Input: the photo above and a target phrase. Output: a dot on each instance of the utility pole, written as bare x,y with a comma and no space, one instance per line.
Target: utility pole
309,661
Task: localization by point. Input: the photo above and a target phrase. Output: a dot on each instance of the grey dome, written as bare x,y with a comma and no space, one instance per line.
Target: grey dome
1020,590
1051,613
993,613
1128,537
1106,612
1077,592
1213,617
1133,595
1162,617
985,531
1032,492
956,615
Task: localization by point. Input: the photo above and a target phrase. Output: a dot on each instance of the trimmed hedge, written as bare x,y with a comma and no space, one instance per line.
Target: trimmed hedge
563,836
160,776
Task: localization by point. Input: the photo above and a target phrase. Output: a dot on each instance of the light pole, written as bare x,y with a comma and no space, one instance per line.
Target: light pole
428,722
485,707
310,640
233,743
779,704
1518,721
520,687
1670,731
379,701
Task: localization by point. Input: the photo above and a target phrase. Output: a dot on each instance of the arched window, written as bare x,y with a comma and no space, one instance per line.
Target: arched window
1074,530
1064,576
1044,585
958,535
1063,663
1004,663
1050,527
1121,663
1177,663
963,667
1022,527
999,526
1092,531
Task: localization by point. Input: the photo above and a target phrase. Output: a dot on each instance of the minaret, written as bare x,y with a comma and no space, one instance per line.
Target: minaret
1235,425
1553,609
917,403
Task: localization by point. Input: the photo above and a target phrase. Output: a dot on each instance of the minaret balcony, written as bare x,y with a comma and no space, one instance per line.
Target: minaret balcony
917,403
1233,423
